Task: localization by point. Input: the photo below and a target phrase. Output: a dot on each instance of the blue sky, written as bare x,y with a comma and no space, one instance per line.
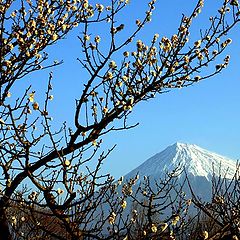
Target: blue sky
206,114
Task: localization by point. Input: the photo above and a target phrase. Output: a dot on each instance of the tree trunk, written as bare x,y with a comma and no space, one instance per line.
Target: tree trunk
4,227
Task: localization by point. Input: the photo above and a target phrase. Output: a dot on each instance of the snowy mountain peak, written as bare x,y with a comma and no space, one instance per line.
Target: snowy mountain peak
196,161
179,146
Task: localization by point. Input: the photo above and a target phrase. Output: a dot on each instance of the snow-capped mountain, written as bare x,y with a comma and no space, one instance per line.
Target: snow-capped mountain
196,161
199,165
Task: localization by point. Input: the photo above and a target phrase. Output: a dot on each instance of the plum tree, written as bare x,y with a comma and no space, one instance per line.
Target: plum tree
41,167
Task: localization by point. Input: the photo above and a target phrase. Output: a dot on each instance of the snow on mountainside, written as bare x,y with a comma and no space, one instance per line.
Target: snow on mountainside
198,164
197,161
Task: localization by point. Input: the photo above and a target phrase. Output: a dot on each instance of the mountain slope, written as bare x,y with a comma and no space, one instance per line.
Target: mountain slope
196,161
198,164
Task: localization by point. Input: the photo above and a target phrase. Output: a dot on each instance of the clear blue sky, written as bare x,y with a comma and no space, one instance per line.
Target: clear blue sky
206,114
